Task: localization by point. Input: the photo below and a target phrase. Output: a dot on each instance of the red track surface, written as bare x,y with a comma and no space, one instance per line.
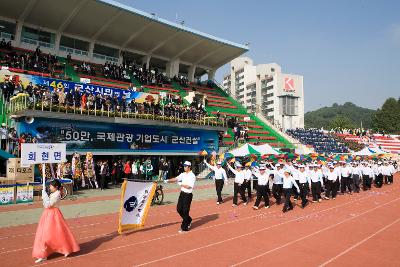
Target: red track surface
353,230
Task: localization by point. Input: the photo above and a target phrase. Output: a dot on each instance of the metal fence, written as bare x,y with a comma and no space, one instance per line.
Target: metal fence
23,102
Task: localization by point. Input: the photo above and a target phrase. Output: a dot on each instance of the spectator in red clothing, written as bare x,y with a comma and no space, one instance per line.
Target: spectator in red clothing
127,170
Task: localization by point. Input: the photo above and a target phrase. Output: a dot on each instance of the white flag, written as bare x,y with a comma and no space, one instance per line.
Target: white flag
135,203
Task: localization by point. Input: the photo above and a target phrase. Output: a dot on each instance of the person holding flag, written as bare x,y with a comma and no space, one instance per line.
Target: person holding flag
219,177
186,180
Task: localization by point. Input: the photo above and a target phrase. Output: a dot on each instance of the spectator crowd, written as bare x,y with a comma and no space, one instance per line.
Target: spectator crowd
321,142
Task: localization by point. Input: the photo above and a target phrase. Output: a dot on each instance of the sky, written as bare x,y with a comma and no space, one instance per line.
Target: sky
347,51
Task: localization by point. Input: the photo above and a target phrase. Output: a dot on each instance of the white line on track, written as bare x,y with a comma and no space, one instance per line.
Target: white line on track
91,224
251,233
359,243
208,227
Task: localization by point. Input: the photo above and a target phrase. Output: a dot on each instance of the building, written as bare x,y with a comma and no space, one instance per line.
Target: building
265,89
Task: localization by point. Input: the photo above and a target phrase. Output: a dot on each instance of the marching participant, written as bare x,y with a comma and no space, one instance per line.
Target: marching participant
316,184
219,177
330,186
295,174
346,181
367,174
305,184
53,234
263,177
278,182
186,180
380,173
247,179
288,183
238,186
392,171
357,175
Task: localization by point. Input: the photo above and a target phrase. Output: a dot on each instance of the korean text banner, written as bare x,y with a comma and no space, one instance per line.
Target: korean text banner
136,198
24,194
96,137
6,195
68,86
42,153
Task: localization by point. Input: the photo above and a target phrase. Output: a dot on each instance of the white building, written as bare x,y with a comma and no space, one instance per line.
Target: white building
265,89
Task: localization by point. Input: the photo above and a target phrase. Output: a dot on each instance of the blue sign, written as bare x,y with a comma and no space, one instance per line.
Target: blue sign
92,136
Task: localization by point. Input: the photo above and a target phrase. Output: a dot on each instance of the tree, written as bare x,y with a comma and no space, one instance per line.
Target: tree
388,117
341,122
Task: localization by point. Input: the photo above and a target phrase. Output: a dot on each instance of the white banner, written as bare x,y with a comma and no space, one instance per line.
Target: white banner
24,194
42,153
135,203
6,195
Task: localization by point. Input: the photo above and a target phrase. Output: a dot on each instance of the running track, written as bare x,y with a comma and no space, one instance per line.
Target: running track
353,230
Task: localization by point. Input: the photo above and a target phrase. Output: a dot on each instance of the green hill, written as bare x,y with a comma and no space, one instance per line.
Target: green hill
347,115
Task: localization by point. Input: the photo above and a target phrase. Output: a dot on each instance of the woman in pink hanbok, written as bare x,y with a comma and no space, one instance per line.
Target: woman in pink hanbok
53,234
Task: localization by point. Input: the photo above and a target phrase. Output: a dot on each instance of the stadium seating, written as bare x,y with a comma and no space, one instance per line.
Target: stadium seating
387,143
218,102
321,142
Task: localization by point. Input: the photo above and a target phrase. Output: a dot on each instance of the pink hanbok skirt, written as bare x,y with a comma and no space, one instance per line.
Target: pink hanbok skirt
53,235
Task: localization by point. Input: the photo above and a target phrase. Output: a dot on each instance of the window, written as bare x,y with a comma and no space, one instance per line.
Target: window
7,30
37,37
106,51
74,43
288,105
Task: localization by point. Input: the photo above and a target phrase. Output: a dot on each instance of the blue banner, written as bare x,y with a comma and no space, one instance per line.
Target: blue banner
68,86
95,136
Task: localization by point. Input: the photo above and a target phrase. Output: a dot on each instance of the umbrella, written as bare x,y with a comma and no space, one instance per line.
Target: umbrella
364,152
245,150
266,149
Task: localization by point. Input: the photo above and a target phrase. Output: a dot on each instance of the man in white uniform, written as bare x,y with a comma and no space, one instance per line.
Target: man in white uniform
186,180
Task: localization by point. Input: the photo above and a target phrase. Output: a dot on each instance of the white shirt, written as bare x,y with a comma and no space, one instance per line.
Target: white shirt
289,182
219,173
385,170
262,178
304,177
239,175
247,174
338,170
186,178
392,169
331,175
316,176
357,171
345,171
134,168
295,174
278,176
52,201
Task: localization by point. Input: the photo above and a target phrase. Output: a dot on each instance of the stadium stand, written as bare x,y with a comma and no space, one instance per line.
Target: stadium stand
321,142
385,142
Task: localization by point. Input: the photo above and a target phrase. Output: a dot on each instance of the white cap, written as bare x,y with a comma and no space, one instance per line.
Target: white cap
238,165
219,163
187,163
262,167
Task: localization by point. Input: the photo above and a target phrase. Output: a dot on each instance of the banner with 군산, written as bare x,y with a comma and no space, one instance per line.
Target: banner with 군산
88,88
84,136
136,198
